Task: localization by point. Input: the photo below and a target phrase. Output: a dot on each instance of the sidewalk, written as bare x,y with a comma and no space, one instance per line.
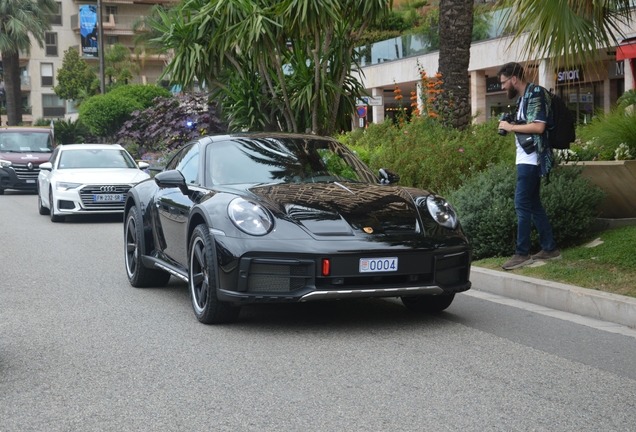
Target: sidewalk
568,298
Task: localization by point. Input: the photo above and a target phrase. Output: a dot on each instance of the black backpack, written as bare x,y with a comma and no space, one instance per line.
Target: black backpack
562,133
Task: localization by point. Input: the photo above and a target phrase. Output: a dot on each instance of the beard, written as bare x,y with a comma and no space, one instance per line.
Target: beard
512,93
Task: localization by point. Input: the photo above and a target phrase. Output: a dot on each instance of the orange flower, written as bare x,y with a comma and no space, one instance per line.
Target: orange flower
398,97
433,115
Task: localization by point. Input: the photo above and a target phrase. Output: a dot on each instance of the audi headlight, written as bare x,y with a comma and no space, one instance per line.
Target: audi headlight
442,211
64,186
5,164
249,217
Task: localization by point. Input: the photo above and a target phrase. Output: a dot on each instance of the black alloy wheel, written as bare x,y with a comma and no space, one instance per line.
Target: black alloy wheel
139,276
428,304
202,281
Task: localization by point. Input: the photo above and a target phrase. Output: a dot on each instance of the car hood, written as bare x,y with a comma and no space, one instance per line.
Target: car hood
333,209
24,158
101,175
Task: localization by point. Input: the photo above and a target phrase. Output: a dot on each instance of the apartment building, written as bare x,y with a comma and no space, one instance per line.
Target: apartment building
38,68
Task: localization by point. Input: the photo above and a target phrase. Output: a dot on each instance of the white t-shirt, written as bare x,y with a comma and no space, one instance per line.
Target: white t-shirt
522,156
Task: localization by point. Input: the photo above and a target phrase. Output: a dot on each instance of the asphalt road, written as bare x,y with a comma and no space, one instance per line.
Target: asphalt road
81,350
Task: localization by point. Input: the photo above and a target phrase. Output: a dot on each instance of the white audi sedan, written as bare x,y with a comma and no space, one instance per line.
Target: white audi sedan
87,179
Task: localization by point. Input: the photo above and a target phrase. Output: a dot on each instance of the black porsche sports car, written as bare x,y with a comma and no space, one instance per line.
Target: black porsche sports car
261,218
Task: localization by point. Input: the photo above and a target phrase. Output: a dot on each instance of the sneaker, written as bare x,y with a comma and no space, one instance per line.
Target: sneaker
543,255
517,261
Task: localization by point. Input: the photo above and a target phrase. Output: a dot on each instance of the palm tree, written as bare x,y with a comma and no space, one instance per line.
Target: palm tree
19,20
218,42
455,36
567,31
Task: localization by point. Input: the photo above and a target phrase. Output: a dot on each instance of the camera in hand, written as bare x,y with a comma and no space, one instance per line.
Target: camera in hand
507,117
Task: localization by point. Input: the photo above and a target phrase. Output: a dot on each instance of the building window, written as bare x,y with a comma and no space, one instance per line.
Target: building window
111,10
46,73
51,44
56,18
112,40
53,106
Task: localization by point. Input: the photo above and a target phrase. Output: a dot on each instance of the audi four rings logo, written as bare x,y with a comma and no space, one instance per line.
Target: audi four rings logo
107,188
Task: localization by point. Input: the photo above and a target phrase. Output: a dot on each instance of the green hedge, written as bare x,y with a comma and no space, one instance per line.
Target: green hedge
105,114
144,94
428,155
486,209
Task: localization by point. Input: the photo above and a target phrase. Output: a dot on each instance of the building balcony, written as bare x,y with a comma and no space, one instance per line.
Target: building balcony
115,25
25,83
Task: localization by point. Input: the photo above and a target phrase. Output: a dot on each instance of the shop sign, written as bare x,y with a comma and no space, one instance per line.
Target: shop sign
582,97
493,85
371,101
616,69
573,75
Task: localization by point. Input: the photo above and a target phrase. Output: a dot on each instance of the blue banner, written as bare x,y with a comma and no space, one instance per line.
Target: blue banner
88,30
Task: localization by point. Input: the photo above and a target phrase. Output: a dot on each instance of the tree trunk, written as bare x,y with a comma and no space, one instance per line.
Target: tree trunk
455,35
11,66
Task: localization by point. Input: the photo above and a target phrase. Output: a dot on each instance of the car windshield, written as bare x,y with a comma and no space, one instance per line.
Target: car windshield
95,158
288,160
34,142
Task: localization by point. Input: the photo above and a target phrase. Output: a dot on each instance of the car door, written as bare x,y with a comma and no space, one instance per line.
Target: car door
173,206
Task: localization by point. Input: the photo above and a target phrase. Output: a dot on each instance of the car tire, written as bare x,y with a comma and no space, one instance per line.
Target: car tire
139,275
1,191
202,281
41,209
428,304
54,217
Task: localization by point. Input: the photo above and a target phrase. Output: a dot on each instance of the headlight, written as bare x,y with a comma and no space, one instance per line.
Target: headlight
249,217
5,164
442,211
64,186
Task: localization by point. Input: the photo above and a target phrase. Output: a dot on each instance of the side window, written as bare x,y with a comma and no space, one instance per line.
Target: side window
174,162
54,156
189,166
187,161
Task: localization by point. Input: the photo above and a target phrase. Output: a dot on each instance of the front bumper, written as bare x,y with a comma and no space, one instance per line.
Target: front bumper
22,180
297,277
82,201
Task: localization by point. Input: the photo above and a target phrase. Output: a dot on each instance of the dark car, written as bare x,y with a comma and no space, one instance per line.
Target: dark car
265,218
22,150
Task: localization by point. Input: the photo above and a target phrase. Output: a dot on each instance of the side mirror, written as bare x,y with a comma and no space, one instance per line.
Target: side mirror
143,165
388,177
172,179
46,166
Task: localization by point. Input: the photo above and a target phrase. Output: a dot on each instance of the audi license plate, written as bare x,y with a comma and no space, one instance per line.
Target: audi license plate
108,198
370,265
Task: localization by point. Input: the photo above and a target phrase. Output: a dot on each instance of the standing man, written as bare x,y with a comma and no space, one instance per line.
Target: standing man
534,160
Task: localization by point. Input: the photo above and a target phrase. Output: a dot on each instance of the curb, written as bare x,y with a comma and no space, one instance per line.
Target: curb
599,305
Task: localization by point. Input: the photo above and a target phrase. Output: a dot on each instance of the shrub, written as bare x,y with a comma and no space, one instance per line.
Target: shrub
104,114
71,132
144,94
170,123
485,205
609,136
429,155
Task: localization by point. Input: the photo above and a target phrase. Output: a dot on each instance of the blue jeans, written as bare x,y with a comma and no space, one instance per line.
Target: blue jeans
529,209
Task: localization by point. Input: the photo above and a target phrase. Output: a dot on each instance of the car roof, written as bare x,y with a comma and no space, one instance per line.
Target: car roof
44,129
262,135
91,147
